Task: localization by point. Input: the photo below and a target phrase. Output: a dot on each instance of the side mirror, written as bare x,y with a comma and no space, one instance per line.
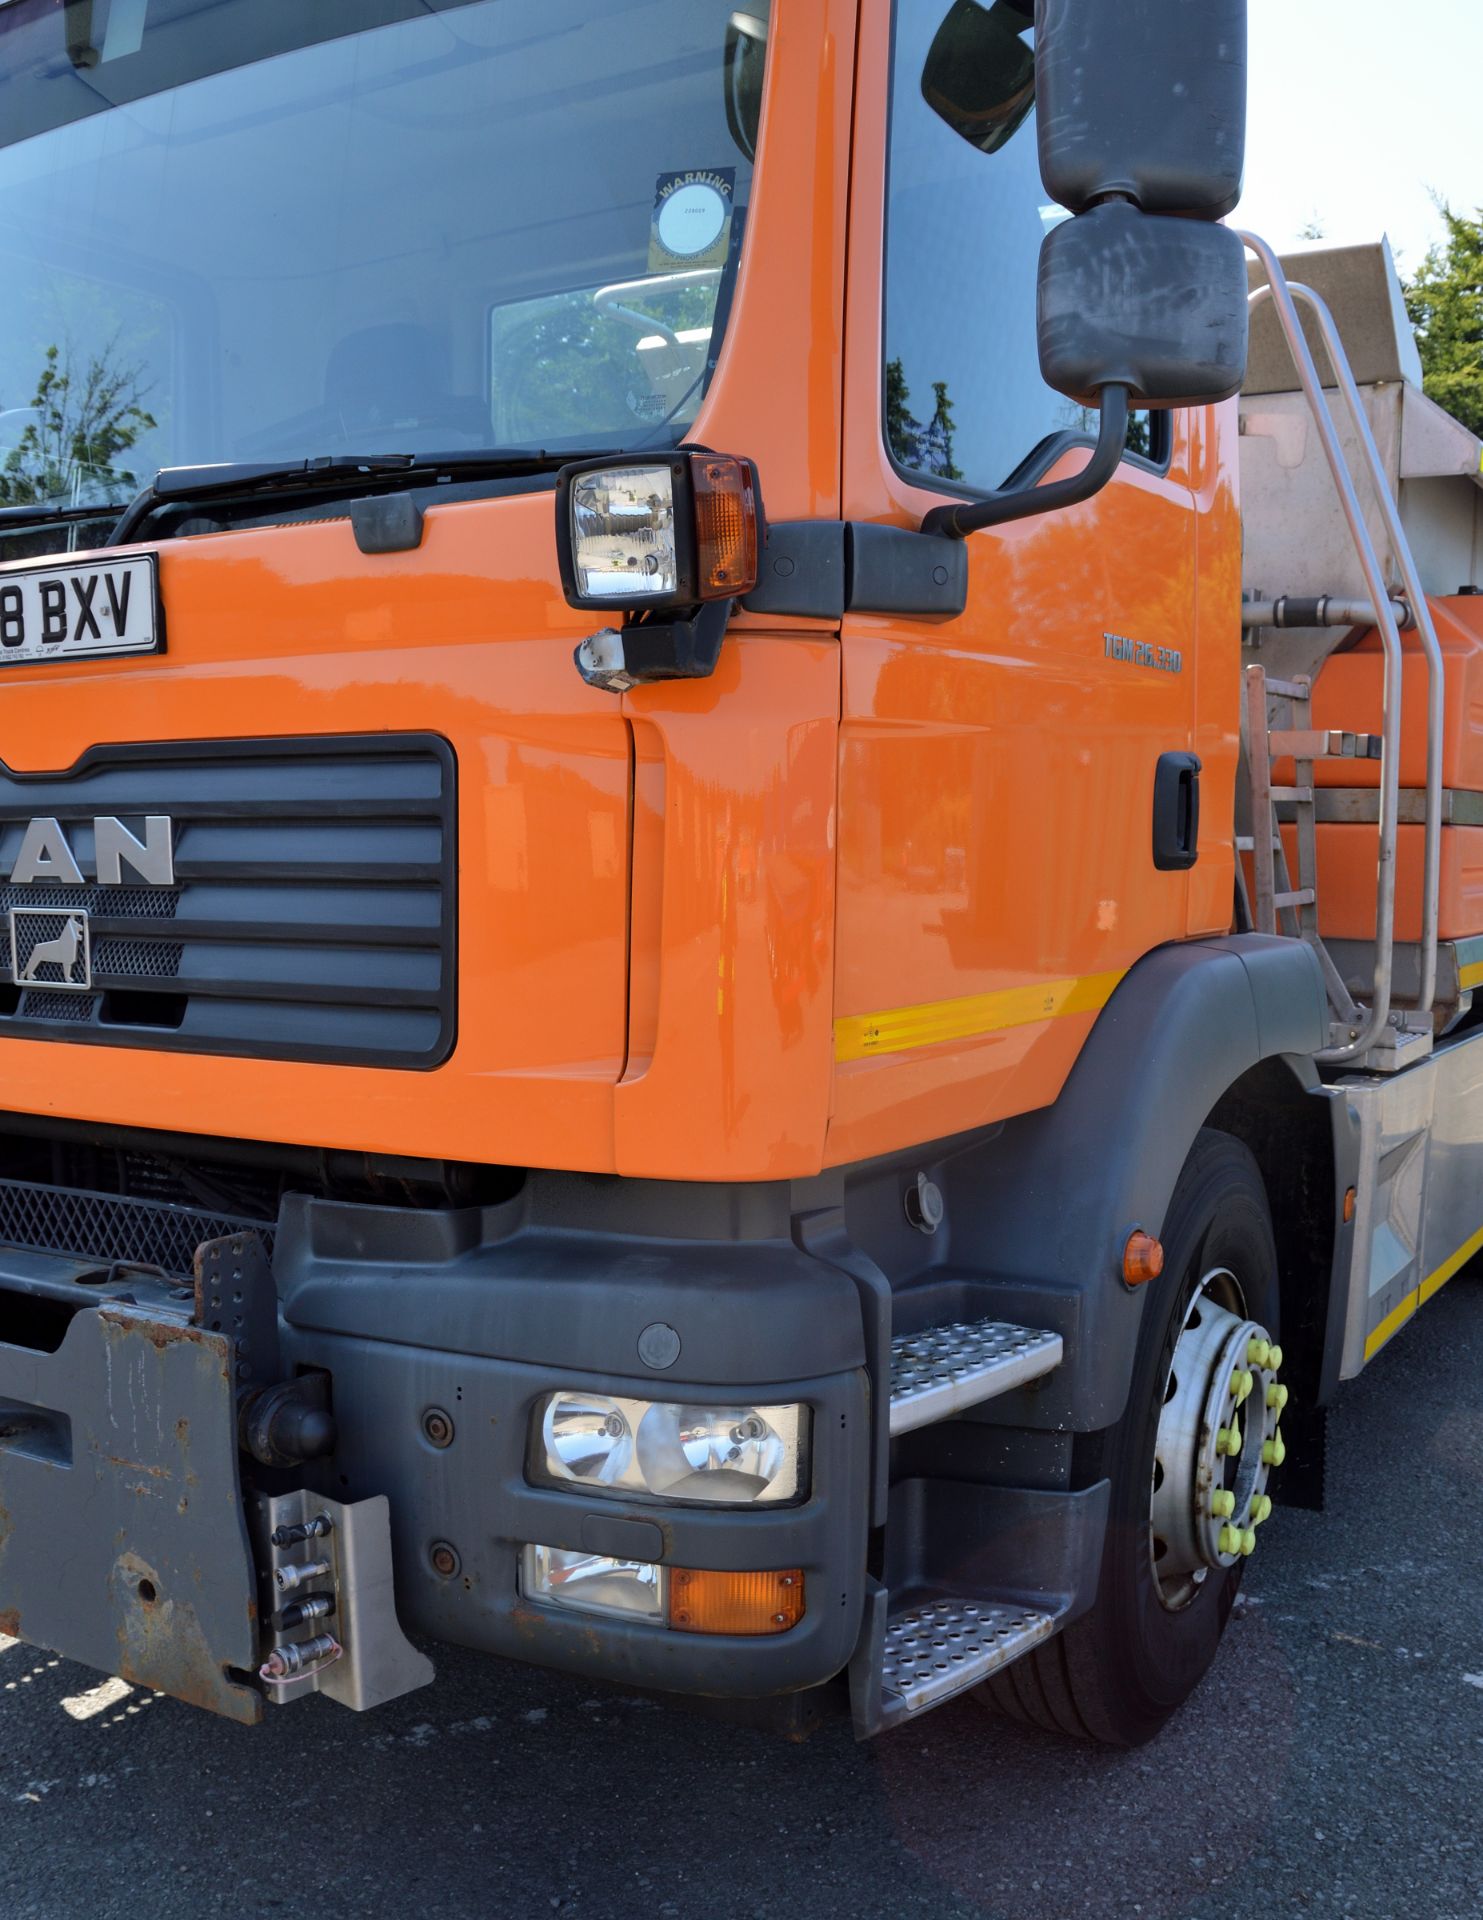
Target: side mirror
1142,299
742,65
1145,98
1142,135
979,74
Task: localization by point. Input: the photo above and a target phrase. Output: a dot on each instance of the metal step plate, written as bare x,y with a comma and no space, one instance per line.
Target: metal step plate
944,1369
942,1647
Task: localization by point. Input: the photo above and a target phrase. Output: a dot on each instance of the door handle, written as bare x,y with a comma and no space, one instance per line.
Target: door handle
1176,811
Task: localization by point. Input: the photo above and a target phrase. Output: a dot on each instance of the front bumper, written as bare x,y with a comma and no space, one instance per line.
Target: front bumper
120,1464
479,1316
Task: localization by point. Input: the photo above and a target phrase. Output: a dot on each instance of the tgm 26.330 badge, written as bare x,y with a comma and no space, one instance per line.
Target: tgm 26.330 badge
51,947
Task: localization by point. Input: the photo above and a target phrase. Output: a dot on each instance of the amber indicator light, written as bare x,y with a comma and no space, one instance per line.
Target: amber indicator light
751,1603
725,525
1348,1205
1143,1259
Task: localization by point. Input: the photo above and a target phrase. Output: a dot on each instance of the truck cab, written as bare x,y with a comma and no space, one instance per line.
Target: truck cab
627,1033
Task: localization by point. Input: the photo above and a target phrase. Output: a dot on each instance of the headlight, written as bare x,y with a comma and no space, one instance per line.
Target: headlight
709,1453
592,1583
669,532
588,1438
734,1456
623,535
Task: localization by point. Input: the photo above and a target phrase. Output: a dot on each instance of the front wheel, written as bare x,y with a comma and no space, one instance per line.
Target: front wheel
1188,1463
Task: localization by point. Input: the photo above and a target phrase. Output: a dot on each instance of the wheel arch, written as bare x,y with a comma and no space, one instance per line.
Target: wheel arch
1305,1143
1209,1028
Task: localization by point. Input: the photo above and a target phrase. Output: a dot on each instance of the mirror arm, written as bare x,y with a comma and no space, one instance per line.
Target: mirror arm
963,517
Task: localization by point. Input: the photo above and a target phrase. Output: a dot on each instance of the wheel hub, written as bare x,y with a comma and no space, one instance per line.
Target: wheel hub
1218,1440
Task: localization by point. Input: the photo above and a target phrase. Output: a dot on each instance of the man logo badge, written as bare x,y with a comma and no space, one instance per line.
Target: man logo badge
50,947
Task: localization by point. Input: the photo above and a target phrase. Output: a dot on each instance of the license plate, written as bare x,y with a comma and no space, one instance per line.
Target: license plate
79,611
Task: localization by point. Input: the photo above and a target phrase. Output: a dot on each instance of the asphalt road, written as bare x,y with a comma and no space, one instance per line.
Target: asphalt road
1332,1764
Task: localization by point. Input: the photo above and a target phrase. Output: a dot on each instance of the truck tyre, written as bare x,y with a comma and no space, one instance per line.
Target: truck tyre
1187,1493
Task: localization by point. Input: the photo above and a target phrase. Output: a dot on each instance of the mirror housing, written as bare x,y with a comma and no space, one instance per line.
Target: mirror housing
1143,301
979,74
1144,98
743,66
1142,131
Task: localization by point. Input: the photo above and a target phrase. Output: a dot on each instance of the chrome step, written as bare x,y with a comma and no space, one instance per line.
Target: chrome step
944,1369
943,1647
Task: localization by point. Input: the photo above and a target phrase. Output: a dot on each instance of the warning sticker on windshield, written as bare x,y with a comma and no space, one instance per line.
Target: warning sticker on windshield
691,226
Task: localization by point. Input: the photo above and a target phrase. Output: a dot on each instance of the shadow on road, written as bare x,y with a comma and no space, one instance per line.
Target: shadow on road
1332,1764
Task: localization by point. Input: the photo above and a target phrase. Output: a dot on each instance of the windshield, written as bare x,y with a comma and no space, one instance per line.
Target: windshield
231,230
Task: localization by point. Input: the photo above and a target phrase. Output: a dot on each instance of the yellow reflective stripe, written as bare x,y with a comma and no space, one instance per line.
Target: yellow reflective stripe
1392,1323
860,1036
1432,1284
1470,976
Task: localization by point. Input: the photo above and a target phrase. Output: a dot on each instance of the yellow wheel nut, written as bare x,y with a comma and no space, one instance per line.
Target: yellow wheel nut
1257,1352
1261,1509
1277,1397
1228,1439
1248,1381
1230,1540
1248,1542
1223,1504
1274,1357
1273,1451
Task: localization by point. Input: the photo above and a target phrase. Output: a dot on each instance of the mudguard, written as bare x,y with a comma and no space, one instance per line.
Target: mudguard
1046,1208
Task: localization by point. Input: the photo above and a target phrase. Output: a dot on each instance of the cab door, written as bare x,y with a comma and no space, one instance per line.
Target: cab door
997,777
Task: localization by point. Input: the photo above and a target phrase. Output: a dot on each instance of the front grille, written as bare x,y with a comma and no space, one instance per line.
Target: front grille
312,915
110,1227
135,903
58,1006
145,959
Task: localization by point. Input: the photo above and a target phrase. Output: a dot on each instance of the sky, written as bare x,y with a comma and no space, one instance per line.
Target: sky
1358,110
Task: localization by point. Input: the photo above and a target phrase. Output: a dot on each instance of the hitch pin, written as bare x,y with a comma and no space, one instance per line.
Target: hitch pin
299,1660
290,1536
298,1613
290,1578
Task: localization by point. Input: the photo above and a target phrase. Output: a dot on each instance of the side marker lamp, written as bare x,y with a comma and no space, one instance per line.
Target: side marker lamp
664,546
1143,1258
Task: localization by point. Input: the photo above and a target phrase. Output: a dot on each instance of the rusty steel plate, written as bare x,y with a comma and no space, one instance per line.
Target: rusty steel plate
123,1542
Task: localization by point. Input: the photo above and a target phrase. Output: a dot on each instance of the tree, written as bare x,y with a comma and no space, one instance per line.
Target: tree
1445,303
926,449
565,367
80,425
901,429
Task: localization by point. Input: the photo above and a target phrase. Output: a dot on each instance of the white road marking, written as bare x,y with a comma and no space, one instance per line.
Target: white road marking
82,1706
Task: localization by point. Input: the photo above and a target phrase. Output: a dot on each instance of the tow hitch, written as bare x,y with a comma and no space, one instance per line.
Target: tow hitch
130,1405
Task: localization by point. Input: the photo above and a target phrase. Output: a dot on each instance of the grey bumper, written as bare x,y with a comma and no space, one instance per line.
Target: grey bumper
479,1314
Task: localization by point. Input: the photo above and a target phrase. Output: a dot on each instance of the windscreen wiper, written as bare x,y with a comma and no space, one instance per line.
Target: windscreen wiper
176,486
36,515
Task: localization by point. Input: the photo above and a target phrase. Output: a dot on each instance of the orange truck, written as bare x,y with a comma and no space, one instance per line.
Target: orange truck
686,996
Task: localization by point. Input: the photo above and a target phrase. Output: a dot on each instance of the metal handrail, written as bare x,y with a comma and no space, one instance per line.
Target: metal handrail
1436,687
1281,294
